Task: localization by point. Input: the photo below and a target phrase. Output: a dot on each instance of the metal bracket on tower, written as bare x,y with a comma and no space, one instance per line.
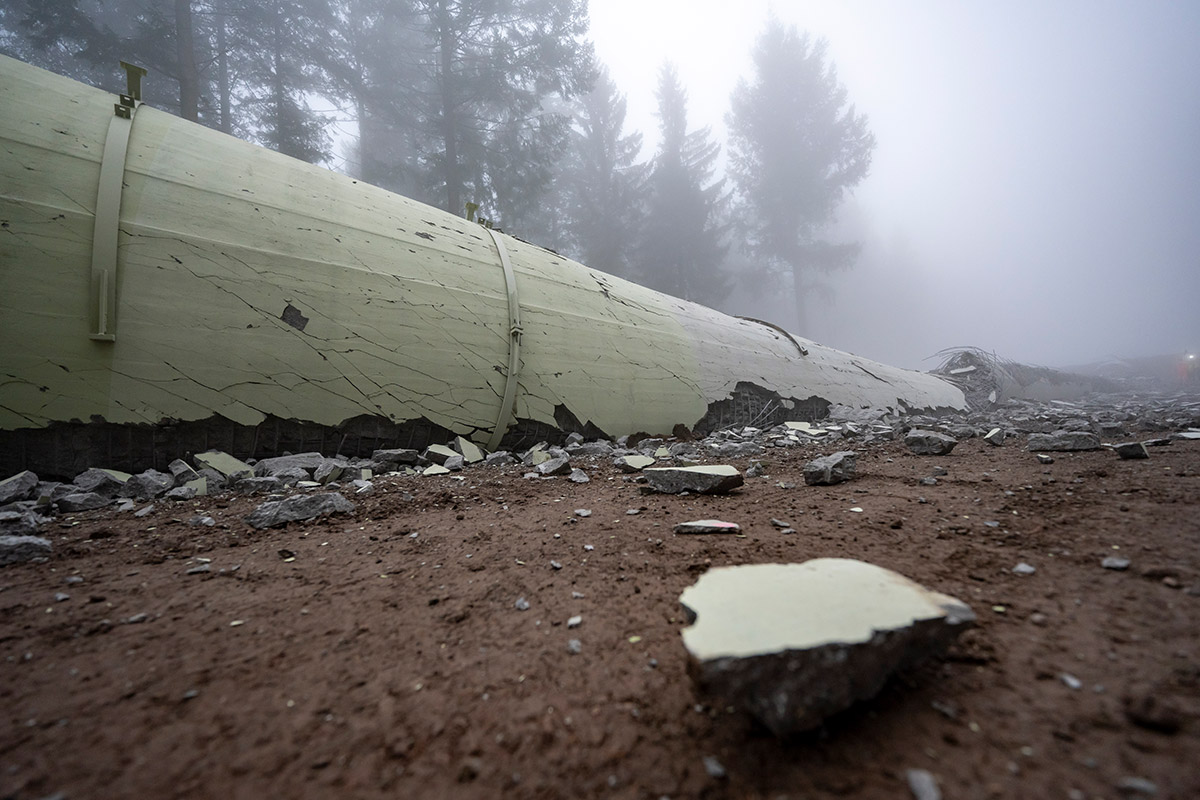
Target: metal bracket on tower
108,208
514,345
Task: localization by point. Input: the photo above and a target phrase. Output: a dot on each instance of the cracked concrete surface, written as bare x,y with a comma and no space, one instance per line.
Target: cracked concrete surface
406,306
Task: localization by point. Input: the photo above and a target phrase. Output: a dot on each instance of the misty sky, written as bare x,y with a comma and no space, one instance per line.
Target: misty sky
1036,186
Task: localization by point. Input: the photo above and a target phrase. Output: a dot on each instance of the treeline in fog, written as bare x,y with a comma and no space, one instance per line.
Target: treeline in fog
500,107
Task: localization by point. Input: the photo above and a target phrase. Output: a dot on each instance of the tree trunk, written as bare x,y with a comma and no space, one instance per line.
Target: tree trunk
454,202
189,75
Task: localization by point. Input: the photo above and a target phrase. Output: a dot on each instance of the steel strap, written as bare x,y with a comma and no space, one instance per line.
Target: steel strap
504,418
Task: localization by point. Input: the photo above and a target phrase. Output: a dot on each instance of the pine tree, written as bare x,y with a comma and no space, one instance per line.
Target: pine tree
795,150
602,185
682,244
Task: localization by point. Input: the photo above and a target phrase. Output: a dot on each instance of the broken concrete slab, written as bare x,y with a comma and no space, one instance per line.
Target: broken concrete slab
19,549
297,508
929,443
471,452
1131,450
435,469
708,526
19,487
182,472
148,485
107,482
793,644
82,501
560,465
223,463
831,469
716,479
438,453
994,437
1063,441
634,463
272,467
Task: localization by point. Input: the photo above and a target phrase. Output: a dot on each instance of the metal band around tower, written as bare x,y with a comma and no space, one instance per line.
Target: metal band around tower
103,315
504,418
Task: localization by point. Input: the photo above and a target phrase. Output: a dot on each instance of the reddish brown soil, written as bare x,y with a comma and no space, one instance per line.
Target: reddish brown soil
379,664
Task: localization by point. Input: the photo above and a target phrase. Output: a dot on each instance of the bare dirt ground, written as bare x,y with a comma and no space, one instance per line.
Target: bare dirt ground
381,654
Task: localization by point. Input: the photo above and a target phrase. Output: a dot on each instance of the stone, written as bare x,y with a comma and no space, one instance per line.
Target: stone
1024,569
522,604
272,467
832,469
298,507
1044,459
578,476
756,470
438,453
583,512
471,452
329,470
181,493
714,767
559,465
793,644
21,523
1063,441
257,485
633,463
1133,785
1130,450
19,487
395,456
994,437
106,482
19,549
718,479
148,485
500,458
1115,563
574,647
596,448
82,501
223,463
454,463
435,469
575,621
929,443
199,485
182,472
922,784
708,526
362,487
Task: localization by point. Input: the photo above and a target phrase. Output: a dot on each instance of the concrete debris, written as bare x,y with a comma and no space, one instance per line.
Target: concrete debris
632,463
183,472
832,469
438,453
307,462
995,437
389,460
793,644
1115,563
105,482
717,479
148,485
298,507
470,452
1045,459
500,458
223,463
181,493
251,485
597,448
578,476
435,469
330,470
19,487
708,526
82,501
1024,569
929,443
454,463
19,549
1063,441
522,604
560,465
21,523
1131,450
922,784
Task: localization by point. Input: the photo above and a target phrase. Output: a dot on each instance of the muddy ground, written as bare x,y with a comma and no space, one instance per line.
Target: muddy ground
382,655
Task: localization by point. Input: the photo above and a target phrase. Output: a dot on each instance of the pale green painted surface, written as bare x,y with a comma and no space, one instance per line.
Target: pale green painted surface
406,305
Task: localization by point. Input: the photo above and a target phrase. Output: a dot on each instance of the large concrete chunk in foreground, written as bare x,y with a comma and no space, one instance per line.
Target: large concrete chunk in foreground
793,644
717,479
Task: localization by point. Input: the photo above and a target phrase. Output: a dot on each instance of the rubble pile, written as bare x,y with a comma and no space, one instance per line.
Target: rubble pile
1128,424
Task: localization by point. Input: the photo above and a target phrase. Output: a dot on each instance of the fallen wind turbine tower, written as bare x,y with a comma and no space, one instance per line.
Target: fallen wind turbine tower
167,288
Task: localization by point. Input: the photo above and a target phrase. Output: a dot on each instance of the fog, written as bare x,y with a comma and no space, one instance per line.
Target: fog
1036,185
